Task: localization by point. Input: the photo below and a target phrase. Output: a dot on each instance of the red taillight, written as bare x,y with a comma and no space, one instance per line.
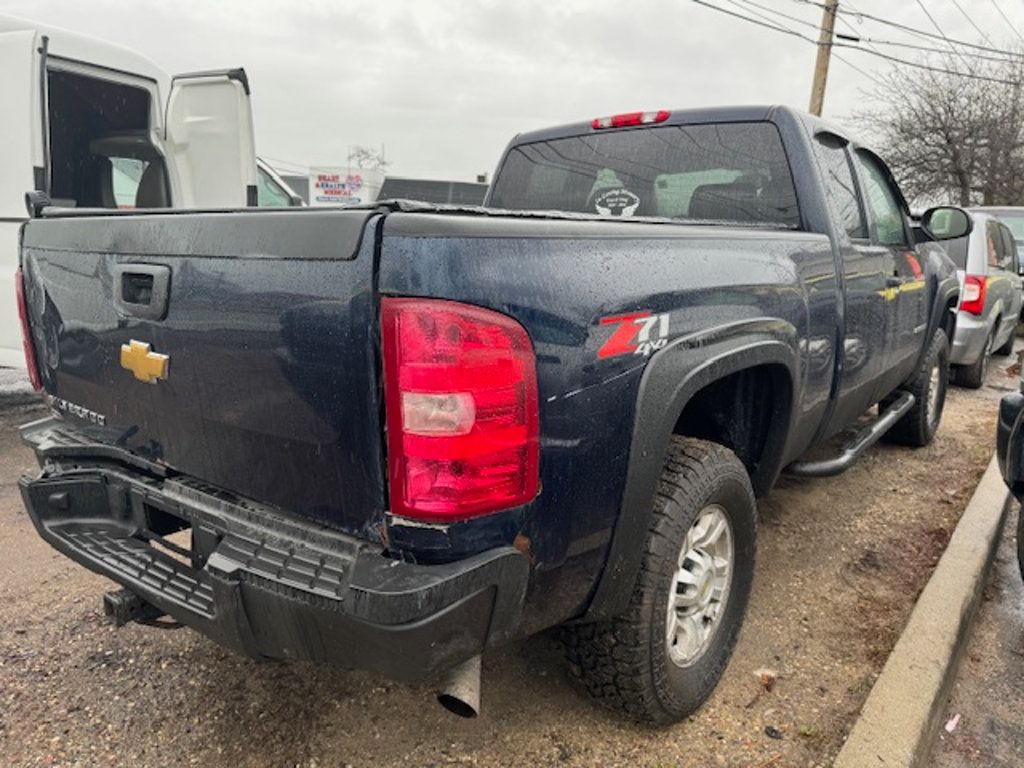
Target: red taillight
460,394
26,337
973,300
630,118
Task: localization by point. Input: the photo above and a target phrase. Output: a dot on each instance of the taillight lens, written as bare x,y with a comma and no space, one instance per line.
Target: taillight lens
460,394
630,118
26,337
973,300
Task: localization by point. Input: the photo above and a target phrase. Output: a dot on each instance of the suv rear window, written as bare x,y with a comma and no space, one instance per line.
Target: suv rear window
726,172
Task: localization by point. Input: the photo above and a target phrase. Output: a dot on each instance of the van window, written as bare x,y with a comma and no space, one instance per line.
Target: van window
728,172
269,193
100,152
1009,247
999,254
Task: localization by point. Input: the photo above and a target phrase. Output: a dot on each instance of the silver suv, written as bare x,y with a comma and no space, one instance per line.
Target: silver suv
990,297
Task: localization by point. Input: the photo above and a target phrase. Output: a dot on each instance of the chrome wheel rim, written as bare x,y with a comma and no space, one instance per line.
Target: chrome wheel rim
700,586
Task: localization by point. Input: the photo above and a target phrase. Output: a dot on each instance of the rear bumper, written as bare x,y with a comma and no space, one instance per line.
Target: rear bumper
968,339
1010,442
265,584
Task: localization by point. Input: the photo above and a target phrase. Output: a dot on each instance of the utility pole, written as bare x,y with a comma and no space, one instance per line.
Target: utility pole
828,25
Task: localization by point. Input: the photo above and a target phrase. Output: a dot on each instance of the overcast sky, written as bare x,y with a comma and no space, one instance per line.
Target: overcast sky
444,84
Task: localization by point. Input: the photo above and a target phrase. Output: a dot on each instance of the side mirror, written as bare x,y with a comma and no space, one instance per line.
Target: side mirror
946,222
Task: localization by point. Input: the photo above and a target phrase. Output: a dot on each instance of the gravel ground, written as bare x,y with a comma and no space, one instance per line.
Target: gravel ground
989,693
840,564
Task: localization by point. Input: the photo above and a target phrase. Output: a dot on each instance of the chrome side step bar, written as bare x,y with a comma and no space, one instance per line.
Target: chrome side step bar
860,443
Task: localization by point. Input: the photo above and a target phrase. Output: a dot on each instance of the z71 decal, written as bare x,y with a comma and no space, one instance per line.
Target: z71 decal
639,333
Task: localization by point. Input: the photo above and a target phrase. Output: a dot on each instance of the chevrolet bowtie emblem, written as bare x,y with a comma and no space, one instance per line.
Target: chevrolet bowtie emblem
145,365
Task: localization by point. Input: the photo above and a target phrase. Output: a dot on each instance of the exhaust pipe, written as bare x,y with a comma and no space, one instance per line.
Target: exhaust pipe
460,689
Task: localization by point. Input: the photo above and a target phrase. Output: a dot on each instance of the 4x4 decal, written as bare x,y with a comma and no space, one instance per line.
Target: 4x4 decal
639,333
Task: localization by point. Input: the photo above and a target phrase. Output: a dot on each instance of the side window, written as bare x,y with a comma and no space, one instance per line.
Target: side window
839,184
1010,248
883,202
268,193
129,182
126,173
993,244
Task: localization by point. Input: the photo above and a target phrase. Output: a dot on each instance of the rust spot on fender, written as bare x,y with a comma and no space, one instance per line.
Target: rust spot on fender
522,543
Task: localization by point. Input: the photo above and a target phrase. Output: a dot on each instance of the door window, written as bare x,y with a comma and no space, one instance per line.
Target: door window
842,191
887,223
269,193
999,254
1010,248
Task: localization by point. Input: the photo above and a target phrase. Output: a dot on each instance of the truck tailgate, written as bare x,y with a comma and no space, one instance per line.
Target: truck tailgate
267,321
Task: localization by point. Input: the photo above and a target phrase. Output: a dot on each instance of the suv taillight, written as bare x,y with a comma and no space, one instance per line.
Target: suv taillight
973,300
26,336
460,396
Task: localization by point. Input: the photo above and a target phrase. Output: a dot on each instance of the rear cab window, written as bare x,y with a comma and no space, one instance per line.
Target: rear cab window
722,172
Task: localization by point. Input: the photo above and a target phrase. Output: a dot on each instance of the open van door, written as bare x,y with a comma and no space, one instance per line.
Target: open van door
22,165
209,140
23,128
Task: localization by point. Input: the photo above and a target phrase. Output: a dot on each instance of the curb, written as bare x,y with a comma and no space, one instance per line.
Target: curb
899,720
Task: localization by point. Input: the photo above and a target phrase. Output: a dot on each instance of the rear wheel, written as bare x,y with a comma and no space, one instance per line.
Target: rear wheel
973,376
919,424
662,658
1007,348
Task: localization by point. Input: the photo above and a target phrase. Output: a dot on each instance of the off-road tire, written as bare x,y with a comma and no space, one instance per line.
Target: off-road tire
973,376
919,424
624,662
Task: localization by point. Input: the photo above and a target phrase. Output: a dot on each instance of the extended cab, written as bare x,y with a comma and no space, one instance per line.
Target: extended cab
401,434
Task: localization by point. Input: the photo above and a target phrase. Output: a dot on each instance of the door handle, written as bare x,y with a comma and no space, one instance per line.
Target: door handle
893,281
142,290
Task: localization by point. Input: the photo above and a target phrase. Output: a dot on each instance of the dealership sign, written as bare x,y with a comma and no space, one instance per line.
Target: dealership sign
344,186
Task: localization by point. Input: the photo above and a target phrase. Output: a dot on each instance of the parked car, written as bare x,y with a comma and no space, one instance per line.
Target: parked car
92,124
990,297
1013,217
401,434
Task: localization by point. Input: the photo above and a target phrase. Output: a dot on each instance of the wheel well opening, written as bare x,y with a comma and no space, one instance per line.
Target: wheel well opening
948,323
748,413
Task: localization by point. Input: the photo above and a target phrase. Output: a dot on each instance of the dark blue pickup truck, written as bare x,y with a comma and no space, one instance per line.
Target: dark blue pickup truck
400,434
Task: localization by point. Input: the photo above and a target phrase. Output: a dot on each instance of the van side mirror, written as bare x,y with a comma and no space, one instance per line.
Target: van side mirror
946,222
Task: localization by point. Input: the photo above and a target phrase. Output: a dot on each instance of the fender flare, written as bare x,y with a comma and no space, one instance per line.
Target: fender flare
670,380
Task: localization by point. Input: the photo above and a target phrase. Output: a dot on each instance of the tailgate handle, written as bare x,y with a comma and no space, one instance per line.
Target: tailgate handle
142,290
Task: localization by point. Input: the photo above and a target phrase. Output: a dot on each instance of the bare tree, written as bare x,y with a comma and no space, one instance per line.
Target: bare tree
953,137
368,158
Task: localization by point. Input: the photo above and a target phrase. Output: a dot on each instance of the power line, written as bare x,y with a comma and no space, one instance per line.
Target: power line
877,80
973,23
928,67
914,31
879,54
939,30
1007,20
843,59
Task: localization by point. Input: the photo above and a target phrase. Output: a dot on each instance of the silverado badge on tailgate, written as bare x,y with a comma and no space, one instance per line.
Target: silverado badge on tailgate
145,365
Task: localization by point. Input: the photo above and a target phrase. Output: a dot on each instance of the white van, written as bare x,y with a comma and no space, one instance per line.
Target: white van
93,124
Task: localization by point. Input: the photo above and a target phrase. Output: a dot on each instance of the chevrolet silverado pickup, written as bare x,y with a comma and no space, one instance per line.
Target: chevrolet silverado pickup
394,436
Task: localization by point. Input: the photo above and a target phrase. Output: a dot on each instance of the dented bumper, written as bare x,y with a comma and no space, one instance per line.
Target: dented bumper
261,582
